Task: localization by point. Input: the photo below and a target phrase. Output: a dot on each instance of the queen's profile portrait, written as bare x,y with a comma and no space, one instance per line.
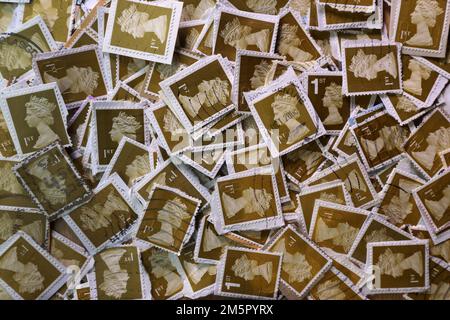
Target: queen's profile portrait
124,125
241,37
424,17
39,116
368,65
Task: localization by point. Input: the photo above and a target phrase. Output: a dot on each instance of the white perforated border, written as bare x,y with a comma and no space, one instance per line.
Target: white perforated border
417,242
189,231
347,44
67,208
67,52
117,184
221,274
440,53
288,78
54,286
173,102
285,287
5,108
166,58
257,224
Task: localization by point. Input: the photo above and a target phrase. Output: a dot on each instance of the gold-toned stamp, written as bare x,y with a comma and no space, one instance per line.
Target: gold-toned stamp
167,282
107,218
247,200
324,89
397,203
379,140
303,262
200,93
247,273
284,114
29,221
143,30
421,26
118,275
168,220
28,272
335,226
79,73
425,143
111,121
36,117
234,29
52,180
398,266
371,67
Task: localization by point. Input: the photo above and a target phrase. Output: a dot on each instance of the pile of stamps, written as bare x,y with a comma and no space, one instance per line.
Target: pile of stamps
264,149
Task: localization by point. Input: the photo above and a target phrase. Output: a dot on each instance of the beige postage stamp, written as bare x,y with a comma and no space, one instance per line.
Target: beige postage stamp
247,273
142,29
52,180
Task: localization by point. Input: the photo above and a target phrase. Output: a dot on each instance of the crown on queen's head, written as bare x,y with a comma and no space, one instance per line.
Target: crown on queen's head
230,29
285,100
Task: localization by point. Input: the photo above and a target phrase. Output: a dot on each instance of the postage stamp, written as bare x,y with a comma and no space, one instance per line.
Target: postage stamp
294,43
143,30
131,162
247,273
118,275
425,143
439,273
336,226
247,200
301,163
168,220
56,14
78,72
74,257
199,278
209,245
18,45
284,115
36,117
172,175
379,140
421,26
169,130
327,18
29,221
257,156
434,201
158,72
198,102
402,108
371,67
334,285
350,5
166,281
234,29
355,178
397,203
251,71
398,266
12,194
333,192
375,229
421,83
106,219
43,276
110,122
52,180
303,262
269,7
324,89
